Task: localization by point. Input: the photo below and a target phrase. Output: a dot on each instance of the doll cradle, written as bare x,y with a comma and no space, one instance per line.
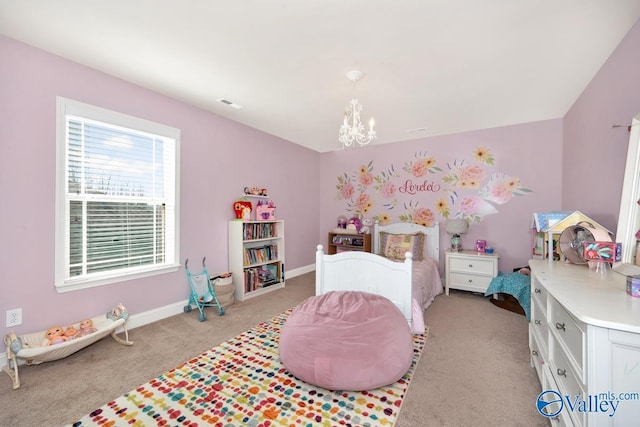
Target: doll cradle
29,350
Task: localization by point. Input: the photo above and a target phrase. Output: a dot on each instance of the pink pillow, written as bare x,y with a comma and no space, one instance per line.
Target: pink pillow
347,340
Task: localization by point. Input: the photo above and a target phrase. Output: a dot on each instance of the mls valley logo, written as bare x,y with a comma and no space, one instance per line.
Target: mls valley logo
550,403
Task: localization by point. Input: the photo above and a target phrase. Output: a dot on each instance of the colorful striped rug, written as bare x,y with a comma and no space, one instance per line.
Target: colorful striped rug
242,383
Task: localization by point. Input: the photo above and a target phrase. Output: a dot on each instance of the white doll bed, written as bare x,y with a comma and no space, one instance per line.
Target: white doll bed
410,285
32,352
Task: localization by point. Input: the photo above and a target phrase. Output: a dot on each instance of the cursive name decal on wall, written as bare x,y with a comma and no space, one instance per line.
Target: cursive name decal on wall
410,188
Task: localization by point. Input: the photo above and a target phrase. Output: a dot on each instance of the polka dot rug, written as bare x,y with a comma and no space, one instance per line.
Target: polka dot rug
242,383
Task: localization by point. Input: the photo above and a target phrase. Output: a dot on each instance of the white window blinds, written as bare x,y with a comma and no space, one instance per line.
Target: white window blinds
119,199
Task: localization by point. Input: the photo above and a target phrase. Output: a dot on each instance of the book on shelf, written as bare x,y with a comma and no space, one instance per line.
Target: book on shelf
260,254
260,277
253,231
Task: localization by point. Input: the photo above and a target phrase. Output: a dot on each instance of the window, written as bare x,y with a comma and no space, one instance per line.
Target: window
116,197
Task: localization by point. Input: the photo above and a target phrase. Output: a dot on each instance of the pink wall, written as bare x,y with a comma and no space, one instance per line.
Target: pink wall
550,158
594,153
218,158
531,152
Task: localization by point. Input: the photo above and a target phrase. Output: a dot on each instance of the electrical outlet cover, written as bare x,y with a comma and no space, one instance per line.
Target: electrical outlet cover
14,317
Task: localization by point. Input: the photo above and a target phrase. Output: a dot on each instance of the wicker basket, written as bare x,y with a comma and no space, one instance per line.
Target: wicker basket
224,289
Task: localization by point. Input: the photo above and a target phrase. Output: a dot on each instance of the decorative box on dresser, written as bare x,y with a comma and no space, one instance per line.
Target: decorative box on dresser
470,270
256,257
584,338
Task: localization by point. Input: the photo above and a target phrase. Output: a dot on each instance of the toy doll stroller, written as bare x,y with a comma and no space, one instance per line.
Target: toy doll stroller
202,293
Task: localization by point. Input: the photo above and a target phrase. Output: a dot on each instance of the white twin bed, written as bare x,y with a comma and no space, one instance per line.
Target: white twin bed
410,284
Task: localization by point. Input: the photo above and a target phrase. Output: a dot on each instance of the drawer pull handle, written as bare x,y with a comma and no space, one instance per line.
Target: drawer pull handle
537,322
562,372
470,280
534,352
560,327
470,265
537,291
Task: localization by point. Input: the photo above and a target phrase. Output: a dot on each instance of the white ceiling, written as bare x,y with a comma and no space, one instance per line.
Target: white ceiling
445,65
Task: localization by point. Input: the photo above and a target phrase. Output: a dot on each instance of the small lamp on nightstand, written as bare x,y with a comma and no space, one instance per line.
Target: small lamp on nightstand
456,227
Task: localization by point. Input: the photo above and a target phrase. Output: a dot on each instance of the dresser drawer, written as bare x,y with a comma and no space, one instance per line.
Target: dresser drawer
539,319
568,332
539,294
468,281
475,265
538,352
569,384
563,419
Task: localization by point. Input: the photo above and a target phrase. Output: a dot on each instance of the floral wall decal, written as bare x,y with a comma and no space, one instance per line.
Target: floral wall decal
468,188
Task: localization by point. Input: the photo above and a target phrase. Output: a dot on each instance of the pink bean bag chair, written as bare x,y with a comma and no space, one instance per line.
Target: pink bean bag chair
347,340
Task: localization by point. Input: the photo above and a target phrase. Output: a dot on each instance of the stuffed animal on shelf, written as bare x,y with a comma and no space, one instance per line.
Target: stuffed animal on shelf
354,224
366,226
86,328
54,335
70,332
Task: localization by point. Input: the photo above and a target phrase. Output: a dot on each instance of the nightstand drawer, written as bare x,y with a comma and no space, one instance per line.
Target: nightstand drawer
468,280
476,265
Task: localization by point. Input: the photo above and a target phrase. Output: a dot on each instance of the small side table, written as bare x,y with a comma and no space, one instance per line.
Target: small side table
470,270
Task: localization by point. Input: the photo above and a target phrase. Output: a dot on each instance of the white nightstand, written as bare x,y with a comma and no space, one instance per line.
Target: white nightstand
470,270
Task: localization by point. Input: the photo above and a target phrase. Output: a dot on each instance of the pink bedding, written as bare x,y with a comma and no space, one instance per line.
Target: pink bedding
425,287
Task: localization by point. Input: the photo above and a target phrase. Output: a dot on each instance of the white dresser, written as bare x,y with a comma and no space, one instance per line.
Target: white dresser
584,338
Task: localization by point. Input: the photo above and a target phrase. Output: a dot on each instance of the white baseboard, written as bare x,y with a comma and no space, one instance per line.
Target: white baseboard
153,315
299,271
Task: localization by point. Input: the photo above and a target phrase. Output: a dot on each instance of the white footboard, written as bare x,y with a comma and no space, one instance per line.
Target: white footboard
366,272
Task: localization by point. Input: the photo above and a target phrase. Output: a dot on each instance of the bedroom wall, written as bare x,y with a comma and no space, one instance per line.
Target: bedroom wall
520,174
218,158
594,153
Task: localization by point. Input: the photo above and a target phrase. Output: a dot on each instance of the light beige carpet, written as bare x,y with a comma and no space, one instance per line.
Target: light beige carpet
474,370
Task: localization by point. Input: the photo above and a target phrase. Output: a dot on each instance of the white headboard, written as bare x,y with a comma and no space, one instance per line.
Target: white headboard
432,234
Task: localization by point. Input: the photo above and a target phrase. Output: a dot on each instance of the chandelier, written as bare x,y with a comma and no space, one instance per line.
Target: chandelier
352,131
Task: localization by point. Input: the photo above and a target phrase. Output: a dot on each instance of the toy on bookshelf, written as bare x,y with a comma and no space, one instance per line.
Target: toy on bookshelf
242,209
255,191
265,210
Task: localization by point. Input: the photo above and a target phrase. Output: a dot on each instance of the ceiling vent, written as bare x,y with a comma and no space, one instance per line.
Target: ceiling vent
229,103
416,130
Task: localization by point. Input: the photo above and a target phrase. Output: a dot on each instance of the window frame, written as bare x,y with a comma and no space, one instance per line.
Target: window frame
63,283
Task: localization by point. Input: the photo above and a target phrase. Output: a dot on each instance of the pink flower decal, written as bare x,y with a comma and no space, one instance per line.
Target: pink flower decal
501,188
474,207
472,173
347,191
421,165
388,190
365,179
417,215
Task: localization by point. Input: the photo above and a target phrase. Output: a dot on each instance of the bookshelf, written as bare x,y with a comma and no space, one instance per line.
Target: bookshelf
256,257
340,242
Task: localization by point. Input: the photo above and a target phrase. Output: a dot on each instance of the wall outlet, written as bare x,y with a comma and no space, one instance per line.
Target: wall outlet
14,317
